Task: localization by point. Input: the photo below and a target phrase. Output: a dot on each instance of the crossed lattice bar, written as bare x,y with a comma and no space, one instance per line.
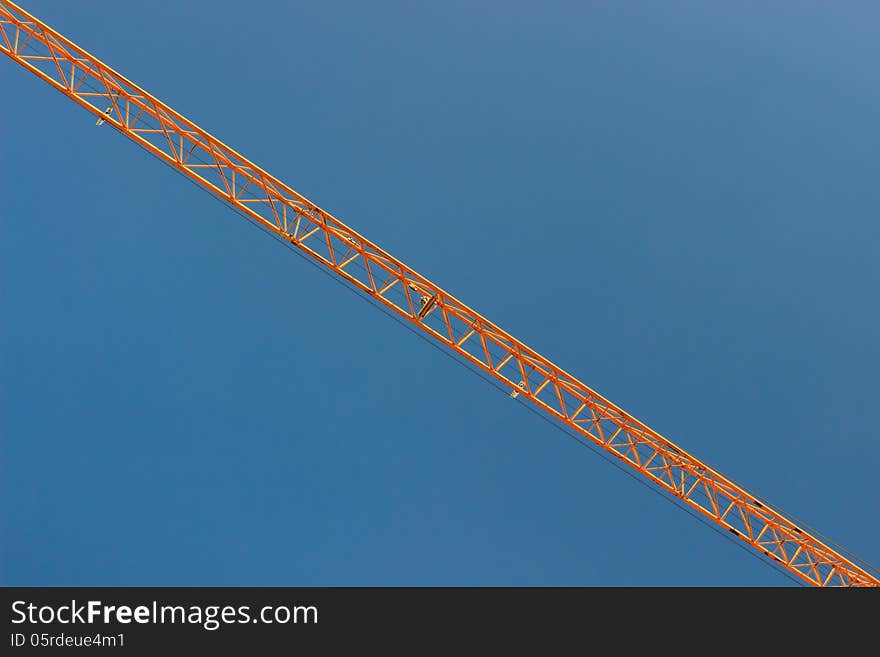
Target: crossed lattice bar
252,191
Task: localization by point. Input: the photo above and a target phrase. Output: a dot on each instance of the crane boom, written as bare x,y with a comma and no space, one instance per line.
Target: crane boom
290,216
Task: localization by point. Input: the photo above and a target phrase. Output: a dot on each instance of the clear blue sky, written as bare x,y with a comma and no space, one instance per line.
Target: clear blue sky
677,203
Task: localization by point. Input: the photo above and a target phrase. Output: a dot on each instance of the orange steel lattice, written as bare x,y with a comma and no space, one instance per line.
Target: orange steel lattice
265,199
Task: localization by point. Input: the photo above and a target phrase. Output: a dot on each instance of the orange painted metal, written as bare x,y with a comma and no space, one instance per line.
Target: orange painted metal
265,199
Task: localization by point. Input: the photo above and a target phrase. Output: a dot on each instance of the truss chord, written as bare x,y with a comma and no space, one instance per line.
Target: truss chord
681,471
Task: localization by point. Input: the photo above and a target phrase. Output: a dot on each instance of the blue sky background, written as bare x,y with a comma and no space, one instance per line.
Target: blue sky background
677,203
